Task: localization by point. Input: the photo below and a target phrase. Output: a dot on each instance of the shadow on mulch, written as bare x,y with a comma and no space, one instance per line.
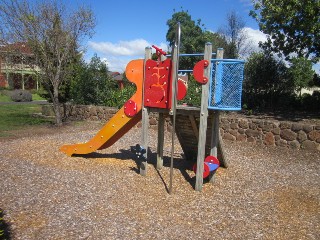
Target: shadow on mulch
178,163
122,155
5,228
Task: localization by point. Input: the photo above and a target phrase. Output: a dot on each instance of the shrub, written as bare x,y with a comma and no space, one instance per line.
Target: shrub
1,223
21,96
265,82
310,102
5,231
40,91
6,92
193,97
117,98
91,83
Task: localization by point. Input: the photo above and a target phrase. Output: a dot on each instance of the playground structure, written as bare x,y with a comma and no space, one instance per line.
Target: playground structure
158,89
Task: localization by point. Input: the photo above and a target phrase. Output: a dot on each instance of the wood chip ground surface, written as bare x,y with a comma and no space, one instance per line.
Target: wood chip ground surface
266,193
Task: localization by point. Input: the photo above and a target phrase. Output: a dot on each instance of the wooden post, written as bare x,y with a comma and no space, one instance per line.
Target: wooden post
174,77
145,121
223,160
215,134
160,141
160,133
37,78
7,77
22,74
215,124
22,80
203,120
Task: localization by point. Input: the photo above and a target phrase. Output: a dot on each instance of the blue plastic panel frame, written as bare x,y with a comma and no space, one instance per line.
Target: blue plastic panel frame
226,84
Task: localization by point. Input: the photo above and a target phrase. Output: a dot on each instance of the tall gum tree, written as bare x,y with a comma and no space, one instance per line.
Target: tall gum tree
235,33
54,33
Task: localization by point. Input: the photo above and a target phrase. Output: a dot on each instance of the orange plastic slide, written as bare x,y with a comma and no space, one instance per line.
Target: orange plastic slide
120,123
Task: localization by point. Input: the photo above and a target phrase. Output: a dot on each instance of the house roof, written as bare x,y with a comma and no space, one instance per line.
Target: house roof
116,76
18,47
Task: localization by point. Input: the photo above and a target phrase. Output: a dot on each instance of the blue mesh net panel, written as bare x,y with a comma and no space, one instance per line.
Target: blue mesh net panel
226,85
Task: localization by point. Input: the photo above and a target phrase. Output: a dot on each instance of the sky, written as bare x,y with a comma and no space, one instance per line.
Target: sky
125,27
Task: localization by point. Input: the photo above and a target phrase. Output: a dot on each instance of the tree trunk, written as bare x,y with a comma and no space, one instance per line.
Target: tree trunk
56,106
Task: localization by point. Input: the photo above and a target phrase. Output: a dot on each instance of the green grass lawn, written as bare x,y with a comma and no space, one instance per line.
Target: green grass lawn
15,117
4,98
36,97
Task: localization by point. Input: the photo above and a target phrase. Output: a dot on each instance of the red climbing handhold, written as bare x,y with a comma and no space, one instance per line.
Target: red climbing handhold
210,164
130,108
198,71
182,89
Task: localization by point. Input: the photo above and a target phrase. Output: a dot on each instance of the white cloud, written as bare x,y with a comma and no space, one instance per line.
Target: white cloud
255,36
249,41
122,48
117,55
117,64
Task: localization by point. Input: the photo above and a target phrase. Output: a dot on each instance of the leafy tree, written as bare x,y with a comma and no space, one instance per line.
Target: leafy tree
53,32
91,82
193,37
265,82
217,40
292,26
81,91
301,73
192,40
118,97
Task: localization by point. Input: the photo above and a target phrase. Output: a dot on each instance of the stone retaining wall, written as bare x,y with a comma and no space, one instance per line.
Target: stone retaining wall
266,132
271,133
